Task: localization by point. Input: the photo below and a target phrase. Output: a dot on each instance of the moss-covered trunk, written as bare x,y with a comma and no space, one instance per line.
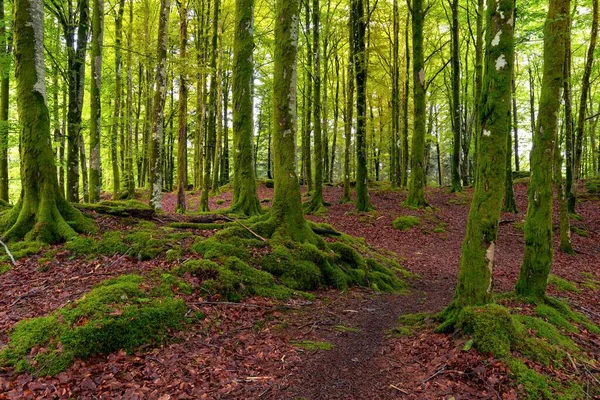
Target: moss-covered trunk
360,73
182,111
245,199
416,196
41,213
404,152
316,203
129,142
95,99
477,261
286,219
566,246
4,94
456,108
114,128
348,117
211,134
537,260
156,138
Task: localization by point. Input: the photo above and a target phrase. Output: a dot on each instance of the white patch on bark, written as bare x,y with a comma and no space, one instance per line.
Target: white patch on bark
37,22
487,133
422,77
489,256
496,40
500,62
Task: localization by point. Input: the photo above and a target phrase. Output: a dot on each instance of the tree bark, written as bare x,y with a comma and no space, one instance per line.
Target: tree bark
456,108
41,212
4,94
96,100
538,256
245,199
182,111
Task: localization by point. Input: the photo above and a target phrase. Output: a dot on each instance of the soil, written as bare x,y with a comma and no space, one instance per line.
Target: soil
250,351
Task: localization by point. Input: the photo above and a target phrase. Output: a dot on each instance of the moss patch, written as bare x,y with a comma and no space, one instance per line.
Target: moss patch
563,284
120,313
409,324
313,346
344,328
406,222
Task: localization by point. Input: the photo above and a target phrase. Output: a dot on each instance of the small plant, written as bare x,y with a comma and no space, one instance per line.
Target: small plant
406,222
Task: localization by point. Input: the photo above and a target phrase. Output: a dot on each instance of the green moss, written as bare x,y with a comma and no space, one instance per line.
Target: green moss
198,226
491,327
120,313
344,328
441,228
590,281
563,284
593,185
535,385
406,222
313,346
519,226
555,317
408,324
5,267
20,250
174,254
580,231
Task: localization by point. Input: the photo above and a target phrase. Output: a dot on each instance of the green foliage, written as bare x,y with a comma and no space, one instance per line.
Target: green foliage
21,249
120,313
580,231
563,284
5,267
593,185
348,329
313,346
406,222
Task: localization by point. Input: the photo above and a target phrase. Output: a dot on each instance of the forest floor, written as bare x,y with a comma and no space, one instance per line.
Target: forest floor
338,346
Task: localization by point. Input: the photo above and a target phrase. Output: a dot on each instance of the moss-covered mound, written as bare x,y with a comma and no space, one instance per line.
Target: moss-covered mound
406,222
295,266
120,313
532,346
145,241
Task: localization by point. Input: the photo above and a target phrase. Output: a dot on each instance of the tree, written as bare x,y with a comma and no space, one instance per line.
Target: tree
245,199
4,94
286,219
416,197
456,108
182,112
537,260
114,129
95,100
360,74
129,163
316,203
41,212
156,176
477,260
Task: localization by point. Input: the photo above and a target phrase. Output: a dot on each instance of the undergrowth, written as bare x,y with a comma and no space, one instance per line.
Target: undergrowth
119,313
523,341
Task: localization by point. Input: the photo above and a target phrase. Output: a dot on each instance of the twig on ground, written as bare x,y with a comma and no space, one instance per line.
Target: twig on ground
251,231
227,303
398,389
9,253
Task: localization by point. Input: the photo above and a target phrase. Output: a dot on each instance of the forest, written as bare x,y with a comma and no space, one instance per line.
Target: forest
299,199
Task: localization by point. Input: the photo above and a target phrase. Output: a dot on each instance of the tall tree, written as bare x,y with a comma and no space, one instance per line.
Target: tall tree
75,26
348,118
537,260
416,196
41,212
316,203
182,111
211,134
245,199
114,129
129,163
360,74
96,100
395,154
477,261
286,219
156,139
4,94
456,107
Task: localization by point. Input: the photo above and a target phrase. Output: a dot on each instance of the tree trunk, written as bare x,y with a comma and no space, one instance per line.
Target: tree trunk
308,110
566,246
456,109
395,154
537,259
41,213
210,144
245,199
477,261
348,117
182,111
336,115
129,164
4,94
156,139
76,63
416,196
96,100
286,220
510,204
515,122
360,73
478,75
114,150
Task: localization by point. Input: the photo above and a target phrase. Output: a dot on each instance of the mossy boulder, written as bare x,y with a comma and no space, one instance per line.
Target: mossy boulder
120,313
406,222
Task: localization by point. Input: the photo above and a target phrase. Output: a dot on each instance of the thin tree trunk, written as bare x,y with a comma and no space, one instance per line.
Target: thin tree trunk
4,94
456,108
182,111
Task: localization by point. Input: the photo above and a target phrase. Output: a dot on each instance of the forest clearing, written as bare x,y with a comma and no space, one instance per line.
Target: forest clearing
286,199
